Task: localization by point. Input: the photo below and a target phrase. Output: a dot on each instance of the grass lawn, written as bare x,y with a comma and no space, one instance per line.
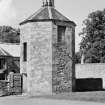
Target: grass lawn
98,96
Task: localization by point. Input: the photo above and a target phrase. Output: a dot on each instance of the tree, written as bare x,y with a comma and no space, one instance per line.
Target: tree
77,57
93,37
9,34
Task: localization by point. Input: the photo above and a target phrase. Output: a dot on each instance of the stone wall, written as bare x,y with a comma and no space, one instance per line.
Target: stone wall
24,37
49,65
3,88
63,68
39,59
91,70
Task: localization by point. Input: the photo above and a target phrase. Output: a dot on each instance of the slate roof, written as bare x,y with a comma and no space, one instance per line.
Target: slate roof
9,50
47,13
4,53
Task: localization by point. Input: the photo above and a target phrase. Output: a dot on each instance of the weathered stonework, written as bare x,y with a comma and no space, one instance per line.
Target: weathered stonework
62,69
49,64
24,37
39,60
49,68
63,65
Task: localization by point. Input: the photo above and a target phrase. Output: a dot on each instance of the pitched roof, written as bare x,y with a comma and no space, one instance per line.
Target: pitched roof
47,13
9,50
4,53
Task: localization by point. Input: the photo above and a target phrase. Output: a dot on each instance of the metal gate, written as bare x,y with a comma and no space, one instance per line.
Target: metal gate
11,86
15,84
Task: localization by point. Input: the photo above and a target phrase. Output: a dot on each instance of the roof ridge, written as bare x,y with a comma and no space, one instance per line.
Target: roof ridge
50,13
9,43
62,15
4,52
38,11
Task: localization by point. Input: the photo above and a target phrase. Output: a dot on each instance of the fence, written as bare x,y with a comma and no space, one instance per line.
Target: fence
12,86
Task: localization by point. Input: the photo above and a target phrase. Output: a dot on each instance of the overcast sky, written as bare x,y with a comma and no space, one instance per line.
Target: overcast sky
12,12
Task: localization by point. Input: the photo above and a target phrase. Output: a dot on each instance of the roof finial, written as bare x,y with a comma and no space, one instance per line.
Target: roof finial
45,3
48,3
52,2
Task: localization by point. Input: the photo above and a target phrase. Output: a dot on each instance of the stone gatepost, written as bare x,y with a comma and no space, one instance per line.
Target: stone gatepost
47,52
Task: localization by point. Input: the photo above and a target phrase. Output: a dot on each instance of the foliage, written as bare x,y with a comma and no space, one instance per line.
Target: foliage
9,34
77,57
93,37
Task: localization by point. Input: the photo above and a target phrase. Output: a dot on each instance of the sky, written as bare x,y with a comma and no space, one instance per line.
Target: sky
12,12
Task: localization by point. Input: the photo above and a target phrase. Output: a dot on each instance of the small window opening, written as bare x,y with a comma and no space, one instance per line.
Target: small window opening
25,51
61,33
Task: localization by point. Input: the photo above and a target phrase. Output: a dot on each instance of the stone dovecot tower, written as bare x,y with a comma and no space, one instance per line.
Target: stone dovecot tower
47,52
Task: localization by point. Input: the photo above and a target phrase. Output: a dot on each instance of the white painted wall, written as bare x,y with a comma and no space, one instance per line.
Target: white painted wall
92,70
